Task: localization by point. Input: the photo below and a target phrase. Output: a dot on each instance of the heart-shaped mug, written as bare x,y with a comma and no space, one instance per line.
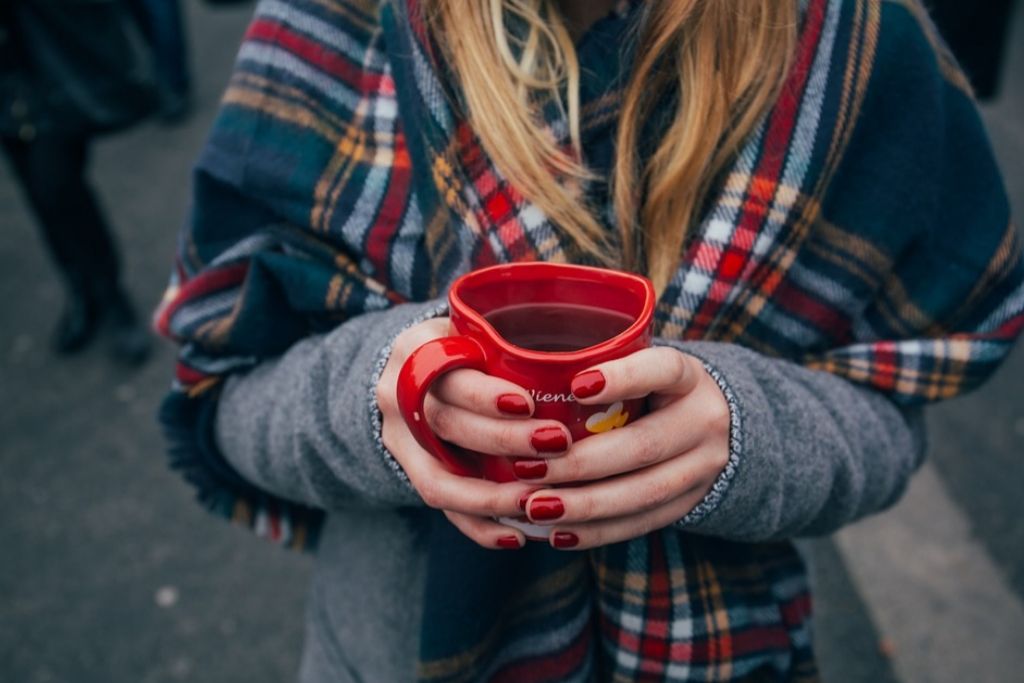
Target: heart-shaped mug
537,325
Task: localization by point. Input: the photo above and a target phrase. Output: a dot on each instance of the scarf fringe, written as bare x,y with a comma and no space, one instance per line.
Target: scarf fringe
188,424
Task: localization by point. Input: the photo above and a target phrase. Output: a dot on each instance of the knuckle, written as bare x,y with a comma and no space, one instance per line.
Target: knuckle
625,374
392,431
585,508
459,384
661,491
574,467
442,420
494,508
720,457
385,395
592,538
507,440
411,338
443,384
645,448
481,399
429,492
720,417
678,364
434,327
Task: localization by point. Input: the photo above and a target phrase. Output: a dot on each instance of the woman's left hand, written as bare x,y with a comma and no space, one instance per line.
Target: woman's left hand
630,481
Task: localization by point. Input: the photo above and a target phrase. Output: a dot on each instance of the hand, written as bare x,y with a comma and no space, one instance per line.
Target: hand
648,474
463,408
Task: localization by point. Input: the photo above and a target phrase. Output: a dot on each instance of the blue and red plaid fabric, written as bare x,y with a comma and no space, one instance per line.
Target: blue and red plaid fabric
863,230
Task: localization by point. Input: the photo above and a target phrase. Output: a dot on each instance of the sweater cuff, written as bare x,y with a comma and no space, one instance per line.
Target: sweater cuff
723,483
376,418
725,478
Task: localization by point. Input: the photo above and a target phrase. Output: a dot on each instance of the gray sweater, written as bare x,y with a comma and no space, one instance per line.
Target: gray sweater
810,452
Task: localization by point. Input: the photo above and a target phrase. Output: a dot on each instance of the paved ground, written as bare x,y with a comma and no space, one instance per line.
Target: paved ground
110,573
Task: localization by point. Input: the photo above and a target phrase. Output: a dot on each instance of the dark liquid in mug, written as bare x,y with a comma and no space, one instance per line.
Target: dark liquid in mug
556,326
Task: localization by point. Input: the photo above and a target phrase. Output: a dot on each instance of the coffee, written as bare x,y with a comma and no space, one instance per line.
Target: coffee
557,326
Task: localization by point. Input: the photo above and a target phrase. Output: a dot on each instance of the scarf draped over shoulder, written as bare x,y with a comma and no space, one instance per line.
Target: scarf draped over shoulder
863,230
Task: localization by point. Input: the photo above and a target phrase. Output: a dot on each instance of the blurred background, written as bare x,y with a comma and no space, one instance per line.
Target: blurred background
110,572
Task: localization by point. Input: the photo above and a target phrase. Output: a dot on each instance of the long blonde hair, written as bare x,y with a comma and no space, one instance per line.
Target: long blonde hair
726,59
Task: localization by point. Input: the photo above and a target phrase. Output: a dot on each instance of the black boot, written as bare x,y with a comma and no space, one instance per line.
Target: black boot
129,341
77,324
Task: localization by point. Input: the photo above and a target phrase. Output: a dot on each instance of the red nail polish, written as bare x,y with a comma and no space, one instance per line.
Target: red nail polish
513,404
508,543
529,469
549,440
587,384
546,509
523,498
564,539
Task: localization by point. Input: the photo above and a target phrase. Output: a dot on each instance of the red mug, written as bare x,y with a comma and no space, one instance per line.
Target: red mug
537,325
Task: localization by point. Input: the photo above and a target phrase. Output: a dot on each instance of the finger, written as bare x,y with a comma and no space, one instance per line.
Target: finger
405,343
494,436
596,534
654,438
627,495
661,369
443,490
486,532
483,394
411,338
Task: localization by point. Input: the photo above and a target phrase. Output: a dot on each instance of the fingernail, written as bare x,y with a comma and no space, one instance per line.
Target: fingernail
513,404
564,539
549,440
587,384
546,509
529,469
523,498
508,542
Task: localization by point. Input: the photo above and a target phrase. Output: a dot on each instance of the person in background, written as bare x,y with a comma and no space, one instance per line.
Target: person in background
46,138
164,27
977,33
807,183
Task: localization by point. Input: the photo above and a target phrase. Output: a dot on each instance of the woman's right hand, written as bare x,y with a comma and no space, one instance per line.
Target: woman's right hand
475,411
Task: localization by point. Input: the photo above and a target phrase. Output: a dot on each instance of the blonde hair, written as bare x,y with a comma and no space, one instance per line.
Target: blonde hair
726,59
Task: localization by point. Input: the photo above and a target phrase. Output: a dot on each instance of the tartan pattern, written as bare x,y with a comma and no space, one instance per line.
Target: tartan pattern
665,607
678,608
341,178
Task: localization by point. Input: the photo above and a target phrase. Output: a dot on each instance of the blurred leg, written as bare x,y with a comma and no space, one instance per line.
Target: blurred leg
51,170
163,26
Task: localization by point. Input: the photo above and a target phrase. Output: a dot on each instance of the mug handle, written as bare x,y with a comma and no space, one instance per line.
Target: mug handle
420,370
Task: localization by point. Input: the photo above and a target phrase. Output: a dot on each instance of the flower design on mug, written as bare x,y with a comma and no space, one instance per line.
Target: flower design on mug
610,419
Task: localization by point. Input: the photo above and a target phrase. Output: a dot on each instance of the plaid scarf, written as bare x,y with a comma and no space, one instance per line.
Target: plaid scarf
862,231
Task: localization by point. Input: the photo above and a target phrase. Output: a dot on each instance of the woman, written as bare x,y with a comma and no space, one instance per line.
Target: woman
67,75
807,184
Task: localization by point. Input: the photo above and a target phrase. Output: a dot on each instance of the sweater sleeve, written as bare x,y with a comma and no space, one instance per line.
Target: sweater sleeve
305,426
304,227
809,451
